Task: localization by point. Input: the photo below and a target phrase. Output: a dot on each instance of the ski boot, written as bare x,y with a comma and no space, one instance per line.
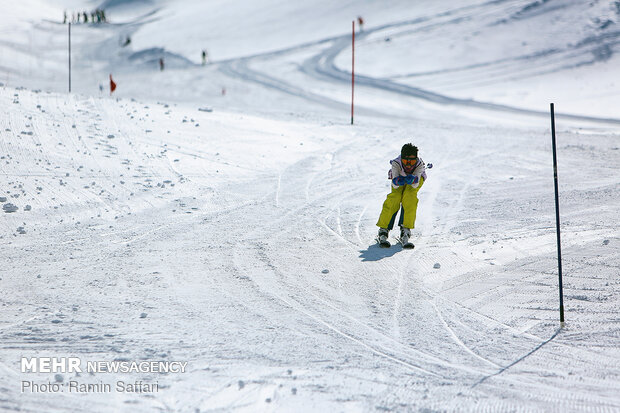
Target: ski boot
382,238
405,234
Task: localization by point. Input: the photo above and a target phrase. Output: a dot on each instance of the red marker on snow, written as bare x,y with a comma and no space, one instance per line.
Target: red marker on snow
112,85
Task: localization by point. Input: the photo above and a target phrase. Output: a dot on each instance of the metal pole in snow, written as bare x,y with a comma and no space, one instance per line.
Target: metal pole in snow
557,214
69,57
352,66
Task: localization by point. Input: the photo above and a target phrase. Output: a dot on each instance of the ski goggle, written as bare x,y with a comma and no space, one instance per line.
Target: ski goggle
409,161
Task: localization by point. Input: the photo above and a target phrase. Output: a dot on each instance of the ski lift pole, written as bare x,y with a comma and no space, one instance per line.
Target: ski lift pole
352,66
69,57
557,214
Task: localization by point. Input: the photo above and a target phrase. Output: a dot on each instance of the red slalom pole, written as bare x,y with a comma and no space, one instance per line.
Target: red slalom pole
352,67
69,57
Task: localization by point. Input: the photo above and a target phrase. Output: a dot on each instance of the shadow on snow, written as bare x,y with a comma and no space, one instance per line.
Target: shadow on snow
376,253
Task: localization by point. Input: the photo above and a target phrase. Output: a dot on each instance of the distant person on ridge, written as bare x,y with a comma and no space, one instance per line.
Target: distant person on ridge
407,174
360,23
161,63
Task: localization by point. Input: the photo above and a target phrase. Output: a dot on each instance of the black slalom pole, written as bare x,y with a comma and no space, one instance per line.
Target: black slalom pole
557,214
69,57
352,67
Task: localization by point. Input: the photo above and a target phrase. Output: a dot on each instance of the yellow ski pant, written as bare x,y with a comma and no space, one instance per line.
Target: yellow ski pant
408,197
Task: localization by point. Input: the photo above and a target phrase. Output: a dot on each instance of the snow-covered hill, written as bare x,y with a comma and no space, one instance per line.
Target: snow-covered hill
224,215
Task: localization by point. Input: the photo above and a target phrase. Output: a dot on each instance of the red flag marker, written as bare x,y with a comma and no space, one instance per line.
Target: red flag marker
112,85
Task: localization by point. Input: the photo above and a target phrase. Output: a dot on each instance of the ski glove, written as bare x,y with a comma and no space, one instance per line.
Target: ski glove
399,181
412,179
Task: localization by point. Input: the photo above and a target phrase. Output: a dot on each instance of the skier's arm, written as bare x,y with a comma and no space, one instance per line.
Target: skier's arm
397,179
418,173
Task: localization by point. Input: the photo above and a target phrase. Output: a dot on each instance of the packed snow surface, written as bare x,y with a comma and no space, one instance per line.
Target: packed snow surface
223,215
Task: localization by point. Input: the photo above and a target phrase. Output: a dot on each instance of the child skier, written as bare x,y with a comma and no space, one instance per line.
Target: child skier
408,174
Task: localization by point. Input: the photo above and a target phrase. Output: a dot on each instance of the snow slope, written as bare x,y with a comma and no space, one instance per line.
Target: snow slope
235,231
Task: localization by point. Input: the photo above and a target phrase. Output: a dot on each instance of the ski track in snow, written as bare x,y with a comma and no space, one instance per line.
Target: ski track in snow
269,287
322,66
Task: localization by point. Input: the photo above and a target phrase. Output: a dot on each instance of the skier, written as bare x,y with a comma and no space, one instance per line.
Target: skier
161,63
408,174
204,57
360,22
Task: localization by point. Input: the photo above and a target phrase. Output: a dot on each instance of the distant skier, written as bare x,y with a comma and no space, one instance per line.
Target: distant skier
360,23
204,57
161,63
408,174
